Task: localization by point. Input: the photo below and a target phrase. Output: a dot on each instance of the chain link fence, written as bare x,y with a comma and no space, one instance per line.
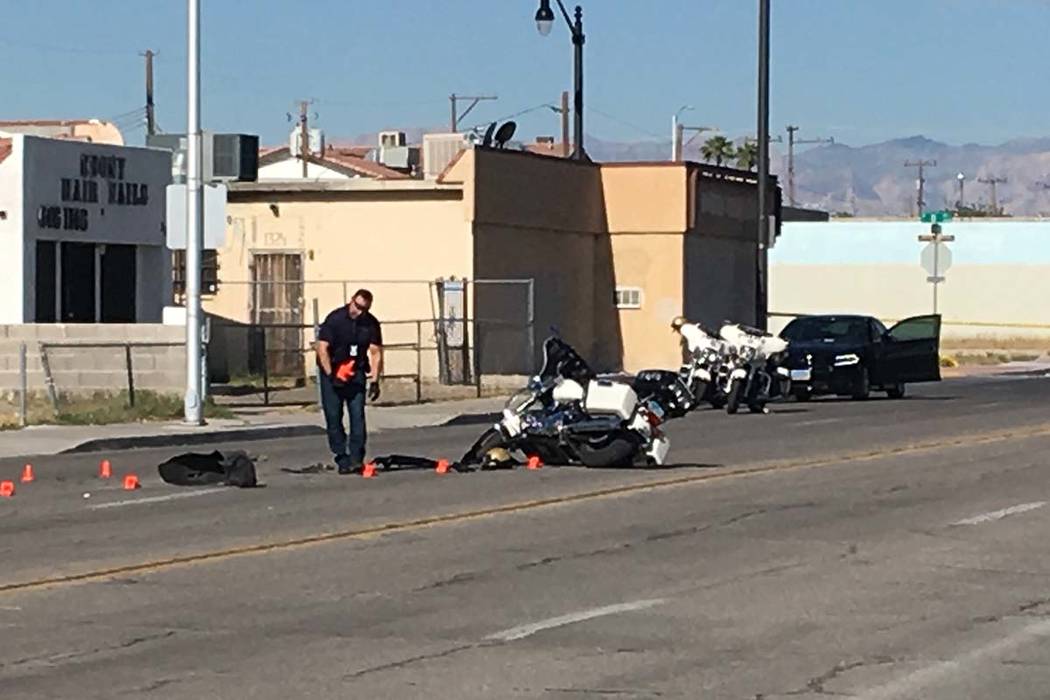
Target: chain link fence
274,364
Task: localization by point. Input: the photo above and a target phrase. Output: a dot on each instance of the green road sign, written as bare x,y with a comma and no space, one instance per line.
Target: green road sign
936,216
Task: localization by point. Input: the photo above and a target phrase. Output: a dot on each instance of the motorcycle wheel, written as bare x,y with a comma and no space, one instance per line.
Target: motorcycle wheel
614,450
718,401
733,399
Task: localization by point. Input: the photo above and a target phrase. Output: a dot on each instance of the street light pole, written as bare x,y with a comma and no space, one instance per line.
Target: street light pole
676,134
193,406
763,162
544,20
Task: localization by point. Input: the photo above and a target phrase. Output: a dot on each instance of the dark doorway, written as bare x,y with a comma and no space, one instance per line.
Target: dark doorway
78,282
118,284
45,282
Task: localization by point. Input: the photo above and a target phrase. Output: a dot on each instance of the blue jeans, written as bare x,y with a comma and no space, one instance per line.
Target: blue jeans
350,452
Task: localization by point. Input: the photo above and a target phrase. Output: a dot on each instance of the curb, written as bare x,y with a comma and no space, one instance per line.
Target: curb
472,419
210,437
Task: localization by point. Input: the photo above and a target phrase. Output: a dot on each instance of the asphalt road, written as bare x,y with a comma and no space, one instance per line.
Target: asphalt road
884,549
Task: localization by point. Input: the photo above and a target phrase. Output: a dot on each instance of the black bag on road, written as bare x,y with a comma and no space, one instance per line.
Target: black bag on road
197,469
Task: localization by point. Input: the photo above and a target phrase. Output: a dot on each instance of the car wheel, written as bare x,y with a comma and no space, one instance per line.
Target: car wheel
802,395
862,389
896,392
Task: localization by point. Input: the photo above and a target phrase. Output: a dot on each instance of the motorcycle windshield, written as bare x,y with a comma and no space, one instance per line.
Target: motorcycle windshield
561,360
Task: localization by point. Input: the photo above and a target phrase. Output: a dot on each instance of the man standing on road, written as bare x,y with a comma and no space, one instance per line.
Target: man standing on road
350,355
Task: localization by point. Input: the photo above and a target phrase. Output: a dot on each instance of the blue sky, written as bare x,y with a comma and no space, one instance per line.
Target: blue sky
859,70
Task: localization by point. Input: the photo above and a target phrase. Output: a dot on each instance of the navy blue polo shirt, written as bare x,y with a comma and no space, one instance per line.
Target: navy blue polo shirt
350,337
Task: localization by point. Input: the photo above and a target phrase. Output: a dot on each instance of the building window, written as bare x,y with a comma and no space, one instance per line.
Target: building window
209,272
628,297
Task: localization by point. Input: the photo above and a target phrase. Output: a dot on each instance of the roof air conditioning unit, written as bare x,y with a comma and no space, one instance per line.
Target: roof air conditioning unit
391,139
316,142
439,150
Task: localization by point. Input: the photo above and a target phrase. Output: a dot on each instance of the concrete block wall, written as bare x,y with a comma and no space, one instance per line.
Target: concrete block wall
79,368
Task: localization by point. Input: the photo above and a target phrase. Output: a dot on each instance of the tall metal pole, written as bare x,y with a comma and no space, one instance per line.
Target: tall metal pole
791,164
577,42
565,123
193,406
304,137
151,116
675,156
454,121
763,161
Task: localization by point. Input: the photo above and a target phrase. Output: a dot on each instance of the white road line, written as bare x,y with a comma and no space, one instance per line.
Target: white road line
911,685
819,421
1000,514
157,499
528,630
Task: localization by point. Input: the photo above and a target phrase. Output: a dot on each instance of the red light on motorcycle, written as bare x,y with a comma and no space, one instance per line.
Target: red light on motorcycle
654,420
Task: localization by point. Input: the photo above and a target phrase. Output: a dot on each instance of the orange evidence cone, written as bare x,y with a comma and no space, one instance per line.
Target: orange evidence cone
369,471
7,489
105,469
442,466
27,474
534,462
131,482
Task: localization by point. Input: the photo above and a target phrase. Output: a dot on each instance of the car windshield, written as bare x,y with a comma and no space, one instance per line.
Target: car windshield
816,328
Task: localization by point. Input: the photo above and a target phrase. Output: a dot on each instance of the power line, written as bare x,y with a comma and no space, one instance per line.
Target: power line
523,112
66,49
623,122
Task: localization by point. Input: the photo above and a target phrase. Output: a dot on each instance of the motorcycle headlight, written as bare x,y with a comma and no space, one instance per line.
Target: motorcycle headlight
846,360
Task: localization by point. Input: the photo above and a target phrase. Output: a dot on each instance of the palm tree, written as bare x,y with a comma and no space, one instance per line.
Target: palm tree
718,149
747,156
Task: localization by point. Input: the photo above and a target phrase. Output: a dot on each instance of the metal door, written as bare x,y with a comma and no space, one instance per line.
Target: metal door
277,310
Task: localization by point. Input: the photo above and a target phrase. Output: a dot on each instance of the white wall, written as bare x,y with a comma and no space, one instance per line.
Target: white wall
292,169
45,163
998,283
12,287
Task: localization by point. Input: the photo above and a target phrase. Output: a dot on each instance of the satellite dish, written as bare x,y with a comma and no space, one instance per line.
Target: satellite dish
487,140
505,133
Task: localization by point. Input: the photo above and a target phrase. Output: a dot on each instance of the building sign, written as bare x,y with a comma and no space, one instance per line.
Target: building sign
100,180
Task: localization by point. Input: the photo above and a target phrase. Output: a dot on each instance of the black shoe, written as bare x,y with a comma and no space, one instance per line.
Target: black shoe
346,470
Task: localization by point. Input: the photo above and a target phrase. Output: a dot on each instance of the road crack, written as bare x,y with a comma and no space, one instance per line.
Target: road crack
51,659
396,665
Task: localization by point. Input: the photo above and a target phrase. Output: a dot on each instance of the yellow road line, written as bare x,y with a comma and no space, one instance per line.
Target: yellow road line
519,506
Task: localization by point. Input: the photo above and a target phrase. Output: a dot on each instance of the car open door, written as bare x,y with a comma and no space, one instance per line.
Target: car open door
912,350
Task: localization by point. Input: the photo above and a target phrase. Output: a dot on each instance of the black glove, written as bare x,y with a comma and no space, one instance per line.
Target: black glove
373,391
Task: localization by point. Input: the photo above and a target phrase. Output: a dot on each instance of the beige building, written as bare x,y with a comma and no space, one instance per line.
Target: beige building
614,251
89,130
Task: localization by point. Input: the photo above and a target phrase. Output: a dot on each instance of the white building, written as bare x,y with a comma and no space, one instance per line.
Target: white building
82,236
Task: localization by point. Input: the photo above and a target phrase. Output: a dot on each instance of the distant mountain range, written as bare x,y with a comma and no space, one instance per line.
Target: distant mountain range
873,180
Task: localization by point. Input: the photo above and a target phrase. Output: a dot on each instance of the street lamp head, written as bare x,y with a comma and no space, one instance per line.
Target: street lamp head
544,18
961,176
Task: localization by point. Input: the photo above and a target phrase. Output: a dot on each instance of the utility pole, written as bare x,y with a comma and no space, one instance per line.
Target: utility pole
993,181
565,123
961,177
791,158
151,117
454,101
921,165
304,135
761,295
193,404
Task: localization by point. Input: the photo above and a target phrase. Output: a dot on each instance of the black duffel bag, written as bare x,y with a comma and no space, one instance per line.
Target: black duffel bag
197,469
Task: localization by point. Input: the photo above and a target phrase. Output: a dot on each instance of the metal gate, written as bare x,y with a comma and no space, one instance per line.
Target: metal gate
277,314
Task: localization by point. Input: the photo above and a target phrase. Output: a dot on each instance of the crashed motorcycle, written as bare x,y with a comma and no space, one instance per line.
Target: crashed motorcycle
755,372
704,370
569,415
